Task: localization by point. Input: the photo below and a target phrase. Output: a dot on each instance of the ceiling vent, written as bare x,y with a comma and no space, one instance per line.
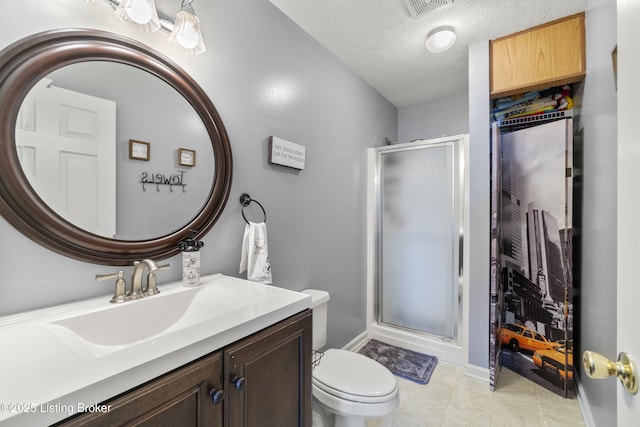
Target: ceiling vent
417,8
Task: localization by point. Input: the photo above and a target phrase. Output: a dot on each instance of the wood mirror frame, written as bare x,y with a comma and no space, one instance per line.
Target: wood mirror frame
24,63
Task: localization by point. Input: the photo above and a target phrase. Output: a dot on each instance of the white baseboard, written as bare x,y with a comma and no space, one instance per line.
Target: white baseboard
584,404
477,372
356,343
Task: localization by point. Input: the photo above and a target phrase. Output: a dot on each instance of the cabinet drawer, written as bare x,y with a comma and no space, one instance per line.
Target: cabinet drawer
180,398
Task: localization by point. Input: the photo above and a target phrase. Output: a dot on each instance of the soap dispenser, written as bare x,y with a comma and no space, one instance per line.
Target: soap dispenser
191,259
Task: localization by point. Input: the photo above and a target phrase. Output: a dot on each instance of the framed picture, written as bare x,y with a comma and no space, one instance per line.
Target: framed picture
186,157
139,150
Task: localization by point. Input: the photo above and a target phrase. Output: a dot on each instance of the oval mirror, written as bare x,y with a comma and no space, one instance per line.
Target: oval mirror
109,151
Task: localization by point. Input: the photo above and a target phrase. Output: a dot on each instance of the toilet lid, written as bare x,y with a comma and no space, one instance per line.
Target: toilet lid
353,376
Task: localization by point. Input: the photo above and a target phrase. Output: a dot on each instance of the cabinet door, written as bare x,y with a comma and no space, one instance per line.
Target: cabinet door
552,54
269,376
180,398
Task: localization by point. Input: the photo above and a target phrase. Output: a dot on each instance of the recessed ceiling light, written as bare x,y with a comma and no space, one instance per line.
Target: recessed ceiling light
440,39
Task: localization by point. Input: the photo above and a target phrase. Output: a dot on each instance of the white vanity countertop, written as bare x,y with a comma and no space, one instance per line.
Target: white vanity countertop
48,373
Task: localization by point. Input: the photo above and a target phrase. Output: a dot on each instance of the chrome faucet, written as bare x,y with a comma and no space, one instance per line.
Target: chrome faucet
136,292
136,278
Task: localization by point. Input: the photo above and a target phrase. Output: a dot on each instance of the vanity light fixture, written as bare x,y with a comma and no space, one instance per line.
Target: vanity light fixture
440,39
140,12
184,30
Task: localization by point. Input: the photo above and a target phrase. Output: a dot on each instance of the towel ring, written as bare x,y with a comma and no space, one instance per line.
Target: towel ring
245,200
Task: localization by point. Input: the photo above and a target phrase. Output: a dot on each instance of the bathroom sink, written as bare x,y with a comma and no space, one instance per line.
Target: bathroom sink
114,327
91,350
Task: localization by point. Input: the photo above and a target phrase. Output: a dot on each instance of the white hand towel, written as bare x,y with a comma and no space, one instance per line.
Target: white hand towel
255,254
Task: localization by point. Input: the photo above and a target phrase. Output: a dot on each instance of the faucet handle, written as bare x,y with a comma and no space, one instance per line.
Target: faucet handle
151,280
119,293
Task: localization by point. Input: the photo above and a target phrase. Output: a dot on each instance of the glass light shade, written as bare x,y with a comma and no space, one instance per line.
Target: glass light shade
440,40
186,31
140,12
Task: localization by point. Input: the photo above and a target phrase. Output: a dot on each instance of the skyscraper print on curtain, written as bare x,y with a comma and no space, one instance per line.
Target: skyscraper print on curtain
535,325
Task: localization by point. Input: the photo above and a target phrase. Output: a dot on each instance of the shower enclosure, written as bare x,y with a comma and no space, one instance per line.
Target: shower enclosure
415,224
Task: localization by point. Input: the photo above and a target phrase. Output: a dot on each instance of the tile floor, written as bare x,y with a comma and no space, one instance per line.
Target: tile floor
453,399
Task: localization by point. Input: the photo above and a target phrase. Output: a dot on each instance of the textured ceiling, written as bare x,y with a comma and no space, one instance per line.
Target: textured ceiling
384,44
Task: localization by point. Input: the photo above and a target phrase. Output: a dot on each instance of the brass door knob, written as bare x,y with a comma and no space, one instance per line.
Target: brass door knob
598,366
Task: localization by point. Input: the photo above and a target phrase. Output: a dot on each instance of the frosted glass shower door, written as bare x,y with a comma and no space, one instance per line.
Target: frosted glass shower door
419,224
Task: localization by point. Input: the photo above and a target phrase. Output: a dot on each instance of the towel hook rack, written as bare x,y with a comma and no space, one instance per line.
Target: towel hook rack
245,200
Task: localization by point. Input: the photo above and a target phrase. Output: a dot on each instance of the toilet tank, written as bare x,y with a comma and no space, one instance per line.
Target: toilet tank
319,306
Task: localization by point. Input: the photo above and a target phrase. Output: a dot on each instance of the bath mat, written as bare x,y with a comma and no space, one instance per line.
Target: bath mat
407,364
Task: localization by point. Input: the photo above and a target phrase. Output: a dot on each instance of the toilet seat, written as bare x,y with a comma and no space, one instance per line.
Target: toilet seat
355,410
354,377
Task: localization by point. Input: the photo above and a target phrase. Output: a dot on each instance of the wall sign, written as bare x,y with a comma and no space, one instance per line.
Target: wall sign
286,153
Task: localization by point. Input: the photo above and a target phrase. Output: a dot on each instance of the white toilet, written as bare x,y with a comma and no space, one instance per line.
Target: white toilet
348,388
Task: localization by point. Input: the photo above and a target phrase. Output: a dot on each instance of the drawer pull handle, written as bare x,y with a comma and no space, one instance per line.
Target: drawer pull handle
217,395
238,382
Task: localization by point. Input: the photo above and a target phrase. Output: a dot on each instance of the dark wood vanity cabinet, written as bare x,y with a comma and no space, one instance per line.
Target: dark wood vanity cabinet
180,398
262,380
269,377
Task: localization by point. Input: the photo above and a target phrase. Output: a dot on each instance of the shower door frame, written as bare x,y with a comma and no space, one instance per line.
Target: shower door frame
455,350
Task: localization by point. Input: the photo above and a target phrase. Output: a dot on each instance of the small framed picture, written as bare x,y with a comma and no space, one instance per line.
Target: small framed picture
139,150
186,157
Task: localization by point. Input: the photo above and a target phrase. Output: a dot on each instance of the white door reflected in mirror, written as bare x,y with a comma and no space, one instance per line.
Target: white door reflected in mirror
66,142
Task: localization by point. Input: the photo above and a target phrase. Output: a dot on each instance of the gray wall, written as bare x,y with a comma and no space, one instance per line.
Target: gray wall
446,117
596,303
266,77
478,236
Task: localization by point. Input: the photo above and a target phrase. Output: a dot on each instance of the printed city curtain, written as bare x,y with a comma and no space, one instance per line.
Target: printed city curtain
531,254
